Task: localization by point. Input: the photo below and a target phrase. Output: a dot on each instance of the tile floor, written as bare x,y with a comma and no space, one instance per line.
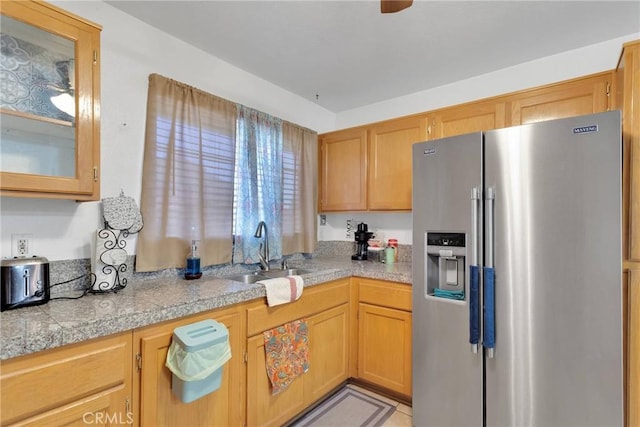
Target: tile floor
402,417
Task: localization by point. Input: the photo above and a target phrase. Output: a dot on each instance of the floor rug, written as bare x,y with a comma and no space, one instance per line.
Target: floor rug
347,408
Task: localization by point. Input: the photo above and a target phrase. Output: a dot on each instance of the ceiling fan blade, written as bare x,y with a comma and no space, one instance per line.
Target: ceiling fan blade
392,6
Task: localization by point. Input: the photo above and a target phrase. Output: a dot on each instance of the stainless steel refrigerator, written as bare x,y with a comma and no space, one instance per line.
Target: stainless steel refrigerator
517,276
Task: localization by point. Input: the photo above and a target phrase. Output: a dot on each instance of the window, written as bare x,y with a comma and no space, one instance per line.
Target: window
187,182
212,171
299,189
258,183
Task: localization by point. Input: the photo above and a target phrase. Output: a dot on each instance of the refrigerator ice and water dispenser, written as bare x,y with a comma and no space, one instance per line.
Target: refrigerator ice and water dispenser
445,262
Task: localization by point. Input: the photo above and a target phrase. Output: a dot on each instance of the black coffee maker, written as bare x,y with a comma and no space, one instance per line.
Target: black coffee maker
362,237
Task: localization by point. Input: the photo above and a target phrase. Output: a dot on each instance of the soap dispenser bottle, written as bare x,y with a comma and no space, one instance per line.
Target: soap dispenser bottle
193,263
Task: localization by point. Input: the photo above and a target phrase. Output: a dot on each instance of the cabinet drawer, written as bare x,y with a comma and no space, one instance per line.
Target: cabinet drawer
385,294
36,383
313,300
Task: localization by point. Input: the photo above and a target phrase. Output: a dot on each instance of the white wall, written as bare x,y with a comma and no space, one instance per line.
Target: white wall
130,51
385,226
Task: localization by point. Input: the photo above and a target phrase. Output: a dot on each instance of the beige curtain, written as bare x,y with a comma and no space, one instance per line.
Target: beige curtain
300,189
187,181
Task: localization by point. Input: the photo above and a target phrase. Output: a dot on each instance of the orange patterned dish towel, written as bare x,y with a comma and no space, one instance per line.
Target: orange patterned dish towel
287,353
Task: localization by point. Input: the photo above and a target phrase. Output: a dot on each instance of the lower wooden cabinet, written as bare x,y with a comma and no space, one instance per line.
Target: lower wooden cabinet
328,352
122,378
155,402
81,384
263,409
384,335
326,309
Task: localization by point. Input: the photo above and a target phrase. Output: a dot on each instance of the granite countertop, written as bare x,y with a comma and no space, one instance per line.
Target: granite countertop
148,301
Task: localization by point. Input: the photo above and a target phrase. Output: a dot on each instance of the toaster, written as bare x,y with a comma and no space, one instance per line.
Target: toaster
25,282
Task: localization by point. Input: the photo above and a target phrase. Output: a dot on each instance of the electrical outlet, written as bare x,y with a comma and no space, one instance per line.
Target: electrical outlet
21,245
351,225
323,219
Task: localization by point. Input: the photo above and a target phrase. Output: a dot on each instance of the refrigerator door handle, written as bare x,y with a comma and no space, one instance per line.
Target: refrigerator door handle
490,198
474,273
475,202
489,339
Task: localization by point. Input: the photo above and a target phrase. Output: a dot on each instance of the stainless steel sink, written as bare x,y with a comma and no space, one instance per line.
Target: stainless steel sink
246,278
285,272
256,276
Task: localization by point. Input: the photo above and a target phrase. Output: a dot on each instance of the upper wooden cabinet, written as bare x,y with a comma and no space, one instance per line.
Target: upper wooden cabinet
574,97
50,106
343,170
570,98
369,168
473,117
389,173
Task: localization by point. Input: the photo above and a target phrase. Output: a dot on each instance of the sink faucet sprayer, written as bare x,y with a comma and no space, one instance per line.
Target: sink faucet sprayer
263,252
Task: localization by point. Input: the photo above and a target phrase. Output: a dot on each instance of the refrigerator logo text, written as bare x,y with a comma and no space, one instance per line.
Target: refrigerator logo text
429,151
586,129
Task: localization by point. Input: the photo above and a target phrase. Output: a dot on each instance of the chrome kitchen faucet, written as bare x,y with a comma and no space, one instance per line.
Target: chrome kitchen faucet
263,252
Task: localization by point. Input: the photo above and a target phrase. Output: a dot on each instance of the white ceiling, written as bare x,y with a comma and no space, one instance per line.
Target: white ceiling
349,54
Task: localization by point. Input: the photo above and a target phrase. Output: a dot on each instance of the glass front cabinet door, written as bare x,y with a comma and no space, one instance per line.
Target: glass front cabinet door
49,103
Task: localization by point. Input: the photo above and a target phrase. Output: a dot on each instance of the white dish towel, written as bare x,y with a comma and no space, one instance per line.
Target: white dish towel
282,290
